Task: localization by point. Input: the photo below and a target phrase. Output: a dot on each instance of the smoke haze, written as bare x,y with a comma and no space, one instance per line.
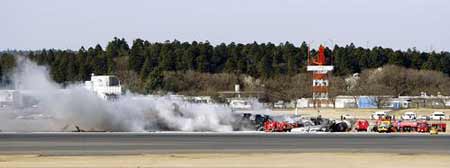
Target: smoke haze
49,107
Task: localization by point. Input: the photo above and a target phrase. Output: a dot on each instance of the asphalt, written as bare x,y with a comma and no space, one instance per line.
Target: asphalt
147,143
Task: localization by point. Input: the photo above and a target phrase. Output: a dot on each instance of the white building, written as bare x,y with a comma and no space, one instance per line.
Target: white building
10,98
106,86
345,102
302,103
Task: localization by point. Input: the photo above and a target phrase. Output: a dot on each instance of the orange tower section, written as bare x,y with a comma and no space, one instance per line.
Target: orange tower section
318,66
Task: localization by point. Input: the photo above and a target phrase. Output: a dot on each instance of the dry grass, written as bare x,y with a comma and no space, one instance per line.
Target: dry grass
335,160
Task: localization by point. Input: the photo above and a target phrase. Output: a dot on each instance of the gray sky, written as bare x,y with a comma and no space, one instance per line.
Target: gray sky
64,24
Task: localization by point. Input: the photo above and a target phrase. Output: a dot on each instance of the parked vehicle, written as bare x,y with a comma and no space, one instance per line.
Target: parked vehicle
385,124
279,104
346,117
440,127
422,126
409,116
378,114
433,131
407,126
362,125
423,117
438,116
240,104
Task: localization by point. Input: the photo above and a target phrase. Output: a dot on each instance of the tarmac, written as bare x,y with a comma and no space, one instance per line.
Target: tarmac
107,143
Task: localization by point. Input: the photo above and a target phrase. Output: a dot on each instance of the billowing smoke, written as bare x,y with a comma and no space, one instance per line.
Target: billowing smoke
49,107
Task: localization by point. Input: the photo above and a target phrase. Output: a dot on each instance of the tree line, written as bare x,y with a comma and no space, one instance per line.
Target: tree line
147,67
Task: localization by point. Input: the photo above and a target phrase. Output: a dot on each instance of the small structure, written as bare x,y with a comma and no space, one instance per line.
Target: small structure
425,100
302,103
398,103
105,86
345,102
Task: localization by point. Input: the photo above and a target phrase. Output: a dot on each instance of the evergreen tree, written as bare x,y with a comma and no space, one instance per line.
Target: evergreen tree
154,81
137,58
265,67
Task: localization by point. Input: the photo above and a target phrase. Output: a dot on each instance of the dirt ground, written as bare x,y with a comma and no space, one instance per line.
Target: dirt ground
314,160
358,113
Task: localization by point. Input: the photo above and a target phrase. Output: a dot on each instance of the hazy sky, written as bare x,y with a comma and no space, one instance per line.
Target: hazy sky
70,24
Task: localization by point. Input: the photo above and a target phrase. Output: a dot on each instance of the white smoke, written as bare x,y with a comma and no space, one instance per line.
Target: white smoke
61,109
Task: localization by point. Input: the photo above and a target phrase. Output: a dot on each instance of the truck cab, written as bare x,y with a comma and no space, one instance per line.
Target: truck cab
105,86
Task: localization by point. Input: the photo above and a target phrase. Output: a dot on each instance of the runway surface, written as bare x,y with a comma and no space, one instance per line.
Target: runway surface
143,143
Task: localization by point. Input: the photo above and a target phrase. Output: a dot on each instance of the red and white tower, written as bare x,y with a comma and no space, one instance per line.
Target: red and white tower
319,68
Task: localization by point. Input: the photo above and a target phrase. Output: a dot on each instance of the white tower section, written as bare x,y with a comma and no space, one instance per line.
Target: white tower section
320,83
105,86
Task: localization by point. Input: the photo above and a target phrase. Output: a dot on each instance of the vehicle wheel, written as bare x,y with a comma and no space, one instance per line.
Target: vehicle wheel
260,129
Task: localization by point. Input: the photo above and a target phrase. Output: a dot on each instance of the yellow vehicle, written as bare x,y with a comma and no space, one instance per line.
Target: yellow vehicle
384,126
434,131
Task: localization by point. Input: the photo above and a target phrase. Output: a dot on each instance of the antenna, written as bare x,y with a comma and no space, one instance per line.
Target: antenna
307,53
331,41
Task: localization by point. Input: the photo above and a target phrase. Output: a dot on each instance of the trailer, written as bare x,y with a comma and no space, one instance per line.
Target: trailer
407,126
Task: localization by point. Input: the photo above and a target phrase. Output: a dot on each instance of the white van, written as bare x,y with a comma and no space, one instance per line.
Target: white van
438,116
376,115
240,104
409,116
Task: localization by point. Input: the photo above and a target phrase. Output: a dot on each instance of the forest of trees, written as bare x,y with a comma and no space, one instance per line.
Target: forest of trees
203,68
7,64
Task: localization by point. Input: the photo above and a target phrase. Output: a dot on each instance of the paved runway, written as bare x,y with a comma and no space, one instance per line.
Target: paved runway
141,143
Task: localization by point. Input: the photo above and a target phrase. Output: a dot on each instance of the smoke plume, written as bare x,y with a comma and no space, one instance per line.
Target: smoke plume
47,106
